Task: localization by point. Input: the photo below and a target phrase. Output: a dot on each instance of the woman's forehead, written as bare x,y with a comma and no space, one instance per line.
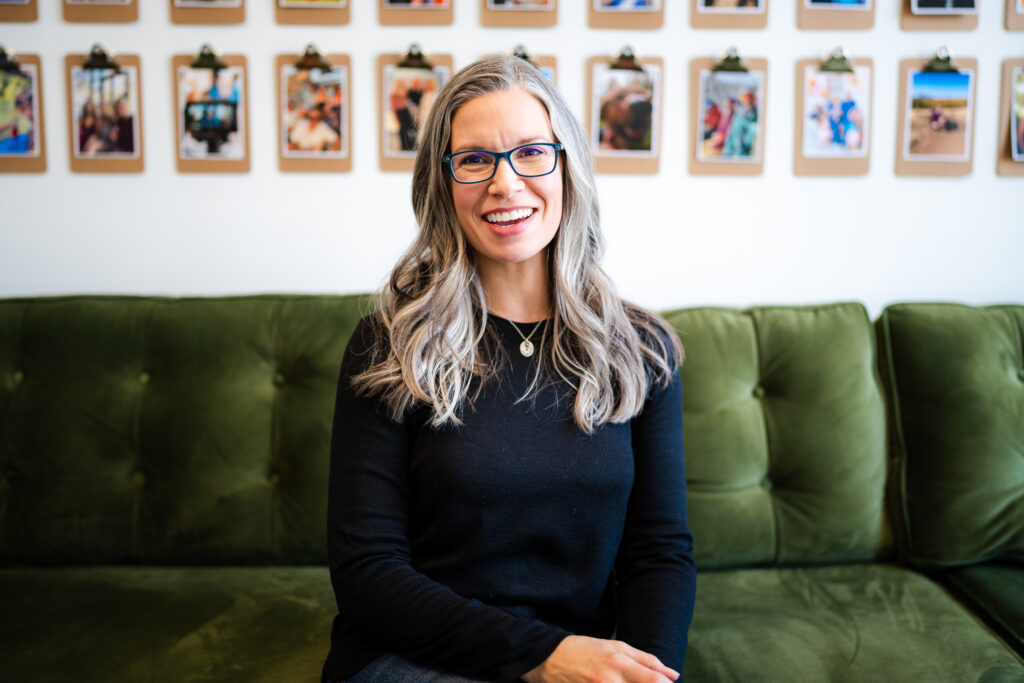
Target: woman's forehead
508,117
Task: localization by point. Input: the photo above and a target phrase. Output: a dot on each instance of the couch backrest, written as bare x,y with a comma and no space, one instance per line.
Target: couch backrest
168,430
784,425
955,378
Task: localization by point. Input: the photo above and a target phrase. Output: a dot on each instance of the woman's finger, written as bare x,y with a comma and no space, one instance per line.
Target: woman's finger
652,662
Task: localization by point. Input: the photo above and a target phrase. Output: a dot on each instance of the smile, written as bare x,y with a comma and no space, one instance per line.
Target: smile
507,218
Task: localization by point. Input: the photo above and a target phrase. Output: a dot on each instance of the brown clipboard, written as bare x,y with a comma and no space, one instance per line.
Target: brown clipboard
101,13
212,165
814,166
610,162
935,22
403,16
522,18
1005,165
308,16
835,18
20,13
702,167
293,164
101,165
748,20
547,62
625,19
31,164
1014,15
933,168
207,15
390,163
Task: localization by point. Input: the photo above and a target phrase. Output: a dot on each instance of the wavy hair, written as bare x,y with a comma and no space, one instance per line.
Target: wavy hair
433,339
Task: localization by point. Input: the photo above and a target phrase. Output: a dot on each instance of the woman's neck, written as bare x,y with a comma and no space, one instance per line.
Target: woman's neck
517,291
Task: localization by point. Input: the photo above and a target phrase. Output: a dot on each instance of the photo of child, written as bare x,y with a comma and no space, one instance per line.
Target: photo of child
19,113
729,128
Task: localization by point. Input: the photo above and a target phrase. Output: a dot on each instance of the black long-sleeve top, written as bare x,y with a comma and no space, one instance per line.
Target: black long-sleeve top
477,549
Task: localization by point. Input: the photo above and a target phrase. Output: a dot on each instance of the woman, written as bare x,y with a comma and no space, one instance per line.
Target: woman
507,484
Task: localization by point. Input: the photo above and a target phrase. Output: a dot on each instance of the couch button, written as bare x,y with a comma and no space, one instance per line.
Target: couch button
143,377
138,478
279,379
18,377
759,391
766,483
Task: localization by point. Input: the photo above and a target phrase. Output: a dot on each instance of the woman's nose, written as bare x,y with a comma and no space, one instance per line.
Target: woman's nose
505,181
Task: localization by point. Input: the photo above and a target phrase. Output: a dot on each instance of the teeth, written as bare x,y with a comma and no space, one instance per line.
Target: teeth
505,216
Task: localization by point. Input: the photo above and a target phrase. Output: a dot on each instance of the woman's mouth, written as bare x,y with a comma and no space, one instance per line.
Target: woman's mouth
507,219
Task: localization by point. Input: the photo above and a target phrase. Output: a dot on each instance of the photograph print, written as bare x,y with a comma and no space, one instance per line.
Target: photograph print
1017,114
318,4
19,113
311,115
623,118
416,4
943,6
513,5
938,116
729,126
838,4
730,6
104,111
836,112
627,5
211,113
408,96
208,4
98,2
13,2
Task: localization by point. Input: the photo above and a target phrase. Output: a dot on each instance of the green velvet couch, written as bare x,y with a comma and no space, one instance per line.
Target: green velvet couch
856,489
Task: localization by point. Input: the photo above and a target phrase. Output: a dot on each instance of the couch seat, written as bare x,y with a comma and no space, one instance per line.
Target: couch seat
996,591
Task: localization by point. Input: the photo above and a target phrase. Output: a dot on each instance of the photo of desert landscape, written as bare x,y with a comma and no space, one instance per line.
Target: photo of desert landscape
938,116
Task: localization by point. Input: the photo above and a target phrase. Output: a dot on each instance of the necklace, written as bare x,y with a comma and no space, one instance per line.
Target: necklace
526,347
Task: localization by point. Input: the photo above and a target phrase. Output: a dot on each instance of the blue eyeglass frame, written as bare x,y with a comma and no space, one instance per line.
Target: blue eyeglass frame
498,156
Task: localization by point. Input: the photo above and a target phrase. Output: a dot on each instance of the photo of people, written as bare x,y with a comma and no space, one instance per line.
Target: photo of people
943,6
319,4
731,115
208,4
415,4
408,94
521,4
623,118
104,106
19,112
312,112
1017,115
627,5
730,6
838,4
835,112
211,113
938,116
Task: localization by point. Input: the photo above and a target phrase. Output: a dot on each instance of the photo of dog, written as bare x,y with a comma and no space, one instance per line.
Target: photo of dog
624,116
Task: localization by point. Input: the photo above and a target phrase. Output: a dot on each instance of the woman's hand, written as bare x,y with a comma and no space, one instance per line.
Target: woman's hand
581,659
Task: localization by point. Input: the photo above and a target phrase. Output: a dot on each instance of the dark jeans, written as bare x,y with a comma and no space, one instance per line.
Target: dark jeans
392,668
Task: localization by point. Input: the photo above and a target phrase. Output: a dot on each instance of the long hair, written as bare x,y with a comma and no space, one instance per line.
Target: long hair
433,336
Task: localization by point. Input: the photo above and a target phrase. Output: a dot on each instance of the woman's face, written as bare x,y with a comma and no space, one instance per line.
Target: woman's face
498,122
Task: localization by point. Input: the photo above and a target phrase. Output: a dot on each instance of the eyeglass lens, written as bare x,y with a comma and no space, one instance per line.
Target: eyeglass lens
529,160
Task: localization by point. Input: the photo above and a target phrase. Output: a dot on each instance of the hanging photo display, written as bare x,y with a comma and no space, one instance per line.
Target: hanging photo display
1017,115
408,95
627,5
19,114
207,4
729,129
626,14
514,5
522,13
835,113
14,2
211,113
623,116
864,5
98,2
100,10
938,116
317,4
943,6
835,15
425,5
312,112
416,12
104,109
730,6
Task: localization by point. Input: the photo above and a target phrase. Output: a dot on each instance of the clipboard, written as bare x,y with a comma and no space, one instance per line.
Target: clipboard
437,62
104,165
101,13
935,22
308,16
293,164
1005,165
934,168
543,62
404,16
207,15
835,17
745,20
615,161
20,13
37,163
523,18
644,19
1014,15
699,166
831,166
212,165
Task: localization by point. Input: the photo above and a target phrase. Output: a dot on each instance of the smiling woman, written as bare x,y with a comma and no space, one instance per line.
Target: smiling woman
507,488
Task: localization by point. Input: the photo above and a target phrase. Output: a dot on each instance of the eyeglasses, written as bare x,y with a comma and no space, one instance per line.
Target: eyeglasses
478,165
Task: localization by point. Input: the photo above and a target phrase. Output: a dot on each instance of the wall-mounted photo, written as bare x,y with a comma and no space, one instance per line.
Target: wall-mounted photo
943,6
623,116
731,116
835,112
938,116
104,108
326,4
13,2
627,5
838,4
207,4
416,4
730,6
211,113
312,111
533,5
1017,116
97,2
19,113
408,96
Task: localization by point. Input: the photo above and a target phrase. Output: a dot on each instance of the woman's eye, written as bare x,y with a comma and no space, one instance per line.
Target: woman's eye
472,159
529,151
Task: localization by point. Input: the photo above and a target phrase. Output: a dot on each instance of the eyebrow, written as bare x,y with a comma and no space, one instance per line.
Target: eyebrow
520,143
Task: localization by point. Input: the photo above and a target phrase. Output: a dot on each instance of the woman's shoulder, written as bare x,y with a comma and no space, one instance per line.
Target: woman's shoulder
655,333
366,342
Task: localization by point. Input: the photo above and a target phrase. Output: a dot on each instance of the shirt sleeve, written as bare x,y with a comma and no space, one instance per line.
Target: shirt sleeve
376,587
655,570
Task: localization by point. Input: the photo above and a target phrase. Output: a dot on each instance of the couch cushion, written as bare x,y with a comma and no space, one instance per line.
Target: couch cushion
996,593
168,625
846,623
168,430
785,435
955,376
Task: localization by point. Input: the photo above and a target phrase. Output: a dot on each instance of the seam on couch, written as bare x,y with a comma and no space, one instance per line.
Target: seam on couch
992,621
145,334
274,447
898,443
776,535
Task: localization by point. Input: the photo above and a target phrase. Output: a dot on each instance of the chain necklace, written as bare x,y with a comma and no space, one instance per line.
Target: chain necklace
526,347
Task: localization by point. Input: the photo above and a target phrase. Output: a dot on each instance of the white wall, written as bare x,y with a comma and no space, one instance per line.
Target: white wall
674,239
